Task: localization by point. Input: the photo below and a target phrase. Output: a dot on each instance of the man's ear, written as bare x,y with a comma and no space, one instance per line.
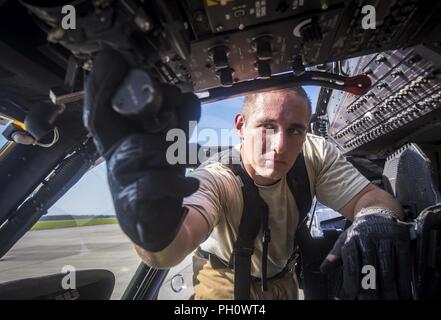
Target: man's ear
239,123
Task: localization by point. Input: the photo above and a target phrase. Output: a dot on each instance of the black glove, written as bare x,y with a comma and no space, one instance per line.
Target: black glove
377,239
106,125
147,191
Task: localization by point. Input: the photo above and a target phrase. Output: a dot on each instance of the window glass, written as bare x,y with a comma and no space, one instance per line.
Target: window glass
215,128
321,214
80,230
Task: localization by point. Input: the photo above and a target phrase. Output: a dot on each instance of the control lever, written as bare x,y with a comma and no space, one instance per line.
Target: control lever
357,85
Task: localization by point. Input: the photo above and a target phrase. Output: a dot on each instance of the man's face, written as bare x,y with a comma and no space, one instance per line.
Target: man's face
273,135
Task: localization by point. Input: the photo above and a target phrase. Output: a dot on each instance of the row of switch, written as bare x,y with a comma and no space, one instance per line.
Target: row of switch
397,72
356,105
392,104
408,115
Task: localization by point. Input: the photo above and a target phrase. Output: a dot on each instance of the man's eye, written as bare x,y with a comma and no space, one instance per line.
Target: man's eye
294,131
268,126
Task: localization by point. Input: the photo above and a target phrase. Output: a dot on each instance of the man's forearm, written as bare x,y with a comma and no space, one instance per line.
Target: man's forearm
192,232
164,259
378,198
172,255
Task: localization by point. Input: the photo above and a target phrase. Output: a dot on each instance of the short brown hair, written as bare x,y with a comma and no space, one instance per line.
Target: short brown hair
251,99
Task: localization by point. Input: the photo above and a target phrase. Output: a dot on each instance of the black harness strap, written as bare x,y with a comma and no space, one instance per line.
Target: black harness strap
298,183
254,215
249,227
266,238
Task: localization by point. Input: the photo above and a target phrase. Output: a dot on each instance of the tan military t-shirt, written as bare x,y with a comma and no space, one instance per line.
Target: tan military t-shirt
333,180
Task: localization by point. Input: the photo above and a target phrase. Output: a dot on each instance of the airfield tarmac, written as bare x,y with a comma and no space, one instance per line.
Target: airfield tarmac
46,252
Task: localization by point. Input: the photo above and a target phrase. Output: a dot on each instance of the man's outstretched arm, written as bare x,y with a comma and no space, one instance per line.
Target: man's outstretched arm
372,197
192,232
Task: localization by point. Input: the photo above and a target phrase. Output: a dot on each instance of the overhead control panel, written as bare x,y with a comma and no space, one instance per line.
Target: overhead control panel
261,52
238,41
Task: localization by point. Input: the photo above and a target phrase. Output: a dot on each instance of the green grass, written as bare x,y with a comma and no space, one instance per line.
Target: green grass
56,224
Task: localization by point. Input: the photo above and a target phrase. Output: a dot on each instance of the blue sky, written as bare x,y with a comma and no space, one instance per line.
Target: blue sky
91,194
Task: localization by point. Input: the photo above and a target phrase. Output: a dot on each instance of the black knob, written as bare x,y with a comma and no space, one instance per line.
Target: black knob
226,77
264,69
263,48
219,55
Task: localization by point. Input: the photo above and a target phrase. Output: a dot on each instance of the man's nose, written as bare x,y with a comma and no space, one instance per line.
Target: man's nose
279,142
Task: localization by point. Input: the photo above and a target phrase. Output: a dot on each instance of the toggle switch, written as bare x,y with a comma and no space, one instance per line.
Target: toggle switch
226,77
219,55
264,69
263,47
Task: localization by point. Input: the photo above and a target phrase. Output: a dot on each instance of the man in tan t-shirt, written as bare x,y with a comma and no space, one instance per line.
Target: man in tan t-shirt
281,119
219,200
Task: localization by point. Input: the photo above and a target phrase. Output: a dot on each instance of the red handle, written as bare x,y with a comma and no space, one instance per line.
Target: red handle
358,85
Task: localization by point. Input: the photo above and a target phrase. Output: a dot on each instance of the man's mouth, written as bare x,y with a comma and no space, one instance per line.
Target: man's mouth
276,161
280,162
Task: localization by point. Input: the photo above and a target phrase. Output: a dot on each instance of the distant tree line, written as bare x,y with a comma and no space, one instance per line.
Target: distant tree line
74,217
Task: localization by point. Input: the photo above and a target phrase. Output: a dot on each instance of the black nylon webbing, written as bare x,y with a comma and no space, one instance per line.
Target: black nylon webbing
250,223
298,183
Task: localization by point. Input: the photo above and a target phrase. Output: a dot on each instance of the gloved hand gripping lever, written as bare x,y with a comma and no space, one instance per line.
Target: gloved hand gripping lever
129,114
